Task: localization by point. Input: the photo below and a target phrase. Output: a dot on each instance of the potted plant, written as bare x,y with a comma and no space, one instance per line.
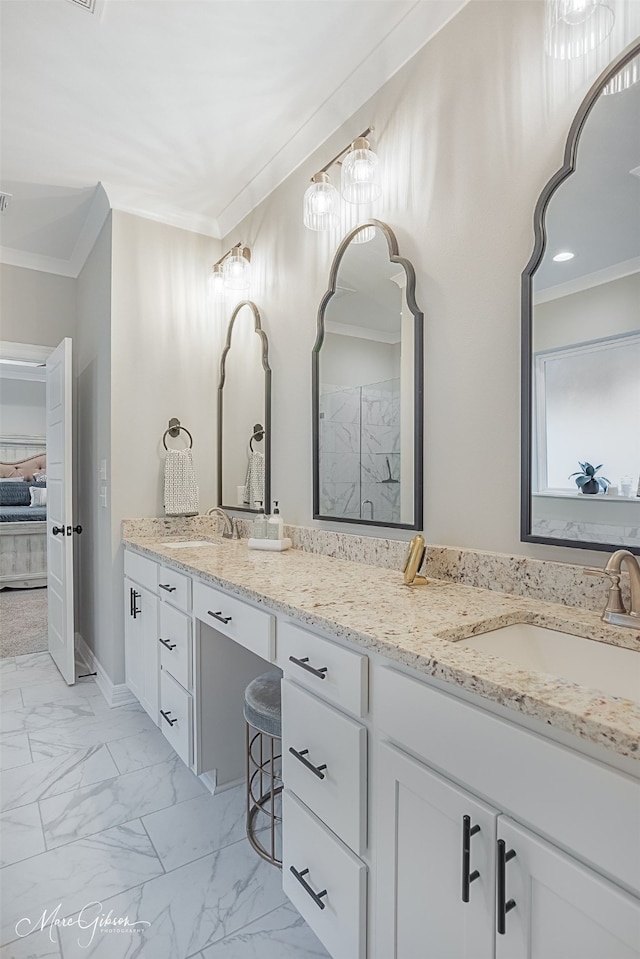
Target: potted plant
587,481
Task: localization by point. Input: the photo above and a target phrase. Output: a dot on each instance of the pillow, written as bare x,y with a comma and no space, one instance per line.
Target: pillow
38,496
40,477
14,494
13,479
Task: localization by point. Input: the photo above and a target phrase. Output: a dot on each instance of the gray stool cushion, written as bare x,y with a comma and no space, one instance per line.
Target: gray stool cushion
262,708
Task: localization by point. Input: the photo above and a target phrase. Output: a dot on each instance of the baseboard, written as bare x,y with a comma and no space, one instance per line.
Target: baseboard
209,780
116,694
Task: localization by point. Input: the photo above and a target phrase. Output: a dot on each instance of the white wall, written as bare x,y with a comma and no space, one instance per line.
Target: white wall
354,361
36,308
165,351
98,618
604,310
469,132
22,406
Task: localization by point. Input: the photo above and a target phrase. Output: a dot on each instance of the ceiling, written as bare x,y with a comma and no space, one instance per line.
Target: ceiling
186,111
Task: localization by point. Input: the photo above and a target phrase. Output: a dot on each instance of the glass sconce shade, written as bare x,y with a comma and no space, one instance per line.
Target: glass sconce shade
217,281
624,79
575,27
360,175
237,270
321,204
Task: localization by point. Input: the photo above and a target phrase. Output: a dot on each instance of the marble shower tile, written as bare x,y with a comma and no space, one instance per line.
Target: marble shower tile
11,699
188,908
31,718
143,749
14,751
282,934
91,730
20,834
90,869
51,777
94,808
192,829
39,945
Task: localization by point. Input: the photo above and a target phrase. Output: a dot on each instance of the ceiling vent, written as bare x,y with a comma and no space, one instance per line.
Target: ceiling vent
89,5
4,201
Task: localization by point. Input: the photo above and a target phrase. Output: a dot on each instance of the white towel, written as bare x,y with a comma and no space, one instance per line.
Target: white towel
180,487
254,483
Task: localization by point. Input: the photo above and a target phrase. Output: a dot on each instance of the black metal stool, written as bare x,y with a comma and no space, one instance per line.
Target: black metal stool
262,712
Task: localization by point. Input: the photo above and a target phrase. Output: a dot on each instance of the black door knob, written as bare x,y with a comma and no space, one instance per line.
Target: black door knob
77,529
58,531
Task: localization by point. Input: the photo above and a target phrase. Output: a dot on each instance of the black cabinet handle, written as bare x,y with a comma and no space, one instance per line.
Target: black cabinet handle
165,642
304,664
316,770
467,877
502,905
166,716
133,598
220,617
169,589
316,896
77,529
59,531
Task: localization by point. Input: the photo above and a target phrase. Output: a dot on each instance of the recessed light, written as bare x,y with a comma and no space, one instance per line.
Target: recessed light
564,255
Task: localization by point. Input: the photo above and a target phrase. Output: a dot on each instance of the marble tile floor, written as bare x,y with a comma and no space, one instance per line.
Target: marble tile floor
99,817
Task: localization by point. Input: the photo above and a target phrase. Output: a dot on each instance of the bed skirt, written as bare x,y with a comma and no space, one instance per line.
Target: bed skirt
23,555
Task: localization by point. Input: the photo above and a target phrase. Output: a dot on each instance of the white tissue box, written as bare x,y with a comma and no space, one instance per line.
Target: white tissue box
275,545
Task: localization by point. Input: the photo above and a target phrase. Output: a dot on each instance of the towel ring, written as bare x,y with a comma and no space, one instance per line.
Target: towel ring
258,435
182,429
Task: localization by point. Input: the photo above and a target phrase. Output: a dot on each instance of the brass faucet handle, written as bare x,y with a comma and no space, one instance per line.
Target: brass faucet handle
614,596
598,571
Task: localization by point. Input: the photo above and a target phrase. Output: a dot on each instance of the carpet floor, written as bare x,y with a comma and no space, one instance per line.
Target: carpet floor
23,621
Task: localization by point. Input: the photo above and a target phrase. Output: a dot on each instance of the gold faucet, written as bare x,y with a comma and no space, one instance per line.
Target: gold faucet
615,611
413,562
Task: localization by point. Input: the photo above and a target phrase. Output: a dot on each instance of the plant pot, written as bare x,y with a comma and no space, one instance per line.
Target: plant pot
591,487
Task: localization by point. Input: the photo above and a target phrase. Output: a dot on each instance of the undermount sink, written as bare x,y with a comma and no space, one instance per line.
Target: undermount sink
190,544
613,669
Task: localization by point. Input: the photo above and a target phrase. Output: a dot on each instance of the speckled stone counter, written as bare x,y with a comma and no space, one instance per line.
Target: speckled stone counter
370,606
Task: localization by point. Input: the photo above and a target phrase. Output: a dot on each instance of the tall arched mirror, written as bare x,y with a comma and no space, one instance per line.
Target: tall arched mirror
244,414
581,330
368,386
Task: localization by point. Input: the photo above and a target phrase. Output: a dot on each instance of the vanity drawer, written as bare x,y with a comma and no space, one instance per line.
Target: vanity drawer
324,737
333,672
175,643
141,570
324,864
176,710
251,628
174,587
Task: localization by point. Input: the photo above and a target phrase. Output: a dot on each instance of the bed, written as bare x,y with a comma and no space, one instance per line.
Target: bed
23,527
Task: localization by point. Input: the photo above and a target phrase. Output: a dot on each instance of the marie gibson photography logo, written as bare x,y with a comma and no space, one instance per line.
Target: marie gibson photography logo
90,920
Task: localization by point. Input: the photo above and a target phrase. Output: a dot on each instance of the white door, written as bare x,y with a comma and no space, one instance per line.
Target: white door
436,866
59,510
559,909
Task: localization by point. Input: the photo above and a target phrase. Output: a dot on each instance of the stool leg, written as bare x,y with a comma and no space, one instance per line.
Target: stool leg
273,808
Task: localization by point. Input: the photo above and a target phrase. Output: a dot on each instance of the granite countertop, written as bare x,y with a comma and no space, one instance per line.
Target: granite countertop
419,626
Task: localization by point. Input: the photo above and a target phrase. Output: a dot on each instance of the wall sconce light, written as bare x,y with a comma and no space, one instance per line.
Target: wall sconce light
232,271
575,27
360,183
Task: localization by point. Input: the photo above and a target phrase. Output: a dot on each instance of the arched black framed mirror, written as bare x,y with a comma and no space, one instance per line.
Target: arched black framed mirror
244,414
367,381
581,330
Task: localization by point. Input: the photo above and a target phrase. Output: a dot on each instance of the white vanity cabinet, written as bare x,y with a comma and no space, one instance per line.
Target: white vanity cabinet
142,656
325,773
530,898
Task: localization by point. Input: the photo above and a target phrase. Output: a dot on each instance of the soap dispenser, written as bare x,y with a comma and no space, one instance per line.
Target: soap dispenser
275,525
260,524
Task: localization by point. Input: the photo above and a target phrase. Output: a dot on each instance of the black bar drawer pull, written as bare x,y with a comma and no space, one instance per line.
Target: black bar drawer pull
304,663
168,587
167,643
316,770
166,716
503,906
134,599
467,877
316,896
218,615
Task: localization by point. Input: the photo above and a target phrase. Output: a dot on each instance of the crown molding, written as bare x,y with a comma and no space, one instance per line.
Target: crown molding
615,272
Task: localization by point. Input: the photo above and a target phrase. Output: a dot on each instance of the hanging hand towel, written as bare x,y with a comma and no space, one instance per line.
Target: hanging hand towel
254,483
180,488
